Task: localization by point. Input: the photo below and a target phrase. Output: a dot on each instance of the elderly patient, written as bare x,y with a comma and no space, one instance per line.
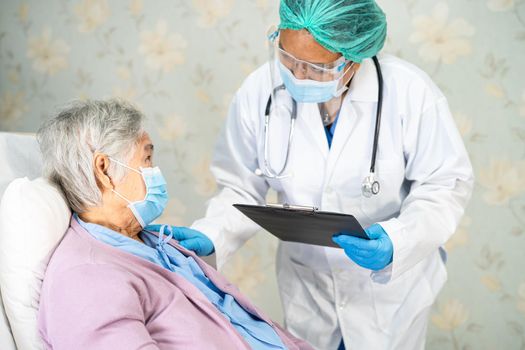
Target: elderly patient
114,282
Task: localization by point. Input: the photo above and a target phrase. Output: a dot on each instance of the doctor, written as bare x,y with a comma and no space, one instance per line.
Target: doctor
327,124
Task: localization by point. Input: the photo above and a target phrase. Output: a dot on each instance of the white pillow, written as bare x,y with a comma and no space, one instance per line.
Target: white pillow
33,219
20,156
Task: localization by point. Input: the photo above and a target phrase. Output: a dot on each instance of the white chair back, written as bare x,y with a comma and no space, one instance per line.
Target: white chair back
20,156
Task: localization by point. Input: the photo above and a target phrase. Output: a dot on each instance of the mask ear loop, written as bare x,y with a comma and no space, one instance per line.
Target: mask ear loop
130,168
121,196
124,165
323,109
346,86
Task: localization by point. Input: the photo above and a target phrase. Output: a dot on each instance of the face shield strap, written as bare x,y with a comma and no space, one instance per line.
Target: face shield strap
272,35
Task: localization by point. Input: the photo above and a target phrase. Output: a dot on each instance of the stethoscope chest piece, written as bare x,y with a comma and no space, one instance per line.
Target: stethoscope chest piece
370,186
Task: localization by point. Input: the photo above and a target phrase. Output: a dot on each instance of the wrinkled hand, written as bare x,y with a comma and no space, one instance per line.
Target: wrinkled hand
374,254
189,238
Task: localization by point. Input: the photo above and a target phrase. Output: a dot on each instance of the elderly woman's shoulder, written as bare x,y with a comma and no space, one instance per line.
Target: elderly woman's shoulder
80,260
89,293
71,281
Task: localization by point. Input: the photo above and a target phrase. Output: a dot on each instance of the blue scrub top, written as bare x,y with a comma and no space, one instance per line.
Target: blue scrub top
330,130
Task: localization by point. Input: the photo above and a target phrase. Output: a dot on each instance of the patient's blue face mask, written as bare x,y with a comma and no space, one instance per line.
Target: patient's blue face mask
154,203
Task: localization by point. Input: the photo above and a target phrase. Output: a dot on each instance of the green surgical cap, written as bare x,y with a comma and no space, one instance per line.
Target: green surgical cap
354,28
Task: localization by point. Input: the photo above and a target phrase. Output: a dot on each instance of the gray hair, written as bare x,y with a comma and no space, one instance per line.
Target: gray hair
69,141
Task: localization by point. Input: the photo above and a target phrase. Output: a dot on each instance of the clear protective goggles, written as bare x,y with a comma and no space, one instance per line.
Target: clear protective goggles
303,69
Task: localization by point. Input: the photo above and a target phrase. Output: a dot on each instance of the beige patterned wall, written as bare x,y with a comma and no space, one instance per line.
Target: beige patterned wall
181,61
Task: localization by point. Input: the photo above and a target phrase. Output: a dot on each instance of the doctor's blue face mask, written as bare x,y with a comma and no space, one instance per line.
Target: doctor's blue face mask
311,91
154,203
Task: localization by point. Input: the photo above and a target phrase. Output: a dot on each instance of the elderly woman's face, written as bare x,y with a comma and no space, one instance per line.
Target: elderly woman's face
114,212
132,185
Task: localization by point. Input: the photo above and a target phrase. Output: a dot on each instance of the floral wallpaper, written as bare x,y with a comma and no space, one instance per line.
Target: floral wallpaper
181,62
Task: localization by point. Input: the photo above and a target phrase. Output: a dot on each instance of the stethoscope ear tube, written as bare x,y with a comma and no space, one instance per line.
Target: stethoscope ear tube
371,185
378,114
268,171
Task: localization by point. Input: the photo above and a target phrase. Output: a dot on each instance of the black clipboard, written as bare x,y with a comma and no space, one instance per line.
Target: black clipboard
302,224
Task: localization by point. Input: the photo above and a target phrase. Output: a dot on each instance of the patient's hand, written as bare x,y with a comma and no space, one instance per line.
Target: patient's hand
189,238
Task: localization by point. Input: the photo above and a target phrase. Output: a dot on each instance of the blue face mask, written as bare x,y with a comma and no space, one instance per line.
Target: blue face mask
153,204
310,91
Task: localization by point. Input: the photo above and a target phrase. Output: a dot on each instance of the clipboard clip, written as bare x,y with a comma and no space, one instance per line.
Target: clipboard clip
292,207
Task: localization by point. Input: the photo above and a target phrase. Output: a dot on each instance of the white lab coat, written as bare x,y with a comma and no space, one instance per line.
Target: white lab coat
426,180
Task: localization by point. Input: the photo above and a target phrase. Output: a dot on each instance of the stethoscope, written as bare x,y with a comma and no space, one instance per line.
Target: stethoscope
370,185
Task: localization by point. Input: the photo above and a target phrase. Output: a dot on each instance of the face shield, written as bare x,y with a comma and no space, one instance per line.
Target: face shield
305,81
313,71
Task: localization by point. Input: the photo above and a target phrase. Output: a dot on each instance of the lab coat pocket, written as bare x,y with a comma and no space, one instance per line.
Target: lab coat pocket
296,278
398,302
306,297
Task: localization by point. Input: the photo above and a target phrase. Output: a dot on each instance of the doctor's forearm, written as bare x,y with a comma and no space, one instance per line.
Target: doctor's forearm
227,227
429,217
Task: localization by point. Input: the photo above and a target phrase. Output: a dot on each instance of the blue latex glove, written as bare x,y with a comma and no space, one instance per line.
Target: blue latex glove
189,239
374,254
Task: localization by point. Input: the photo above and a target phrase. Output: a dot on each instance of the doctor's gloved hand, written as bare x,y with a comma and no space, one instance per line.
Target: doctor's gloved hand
374,254
189,238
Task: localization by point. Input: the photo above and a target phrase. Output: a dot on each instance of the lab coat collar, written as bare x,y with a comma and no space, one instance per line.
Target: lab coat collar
364,84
